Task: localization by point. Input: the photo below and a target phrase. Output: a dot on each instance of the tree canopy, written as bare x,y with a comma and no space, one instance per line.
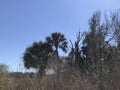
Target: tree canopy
94,48
37,55
57,40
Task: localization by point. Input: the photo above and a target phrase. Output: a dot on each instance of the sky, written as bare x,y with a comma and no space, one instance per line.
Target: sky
23,22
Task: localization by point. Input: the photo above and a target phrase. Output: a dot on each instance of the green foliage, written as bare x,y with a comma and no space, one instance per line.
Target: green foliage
93,52
37,55
57,40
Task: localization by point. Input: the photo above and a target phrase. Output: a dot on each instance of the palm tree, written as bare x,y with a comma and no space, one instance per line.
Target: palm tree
36,56
57,40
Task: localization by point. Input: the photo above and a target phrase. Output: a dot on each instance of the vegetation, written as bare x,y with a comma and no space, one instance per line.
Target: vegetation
57,40
37,55
92,63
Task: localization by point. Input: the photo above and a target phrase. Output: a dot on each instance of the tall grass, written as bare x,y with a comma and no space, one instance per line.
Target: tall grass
68,80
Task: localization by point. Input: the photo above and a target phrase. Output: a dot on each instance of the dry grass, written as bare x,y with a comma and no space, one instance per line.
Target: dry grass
51,82
5,81
68,80
63,81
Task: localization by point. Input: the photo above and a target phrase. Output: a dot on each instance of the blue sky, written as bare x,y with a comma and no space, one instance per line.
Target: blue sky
24,21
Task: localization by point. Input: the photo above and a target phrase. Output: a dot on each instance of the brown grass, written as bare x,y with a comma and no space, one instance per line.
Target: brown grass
68,80
63,81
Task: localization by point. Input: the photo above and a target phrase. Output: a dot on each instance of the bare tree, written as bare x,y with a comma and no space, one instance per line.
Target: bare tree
75,55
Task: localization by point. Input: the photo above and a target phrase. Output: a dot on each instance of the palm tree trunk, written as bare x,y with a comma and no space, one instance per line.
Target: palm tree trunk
56,53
